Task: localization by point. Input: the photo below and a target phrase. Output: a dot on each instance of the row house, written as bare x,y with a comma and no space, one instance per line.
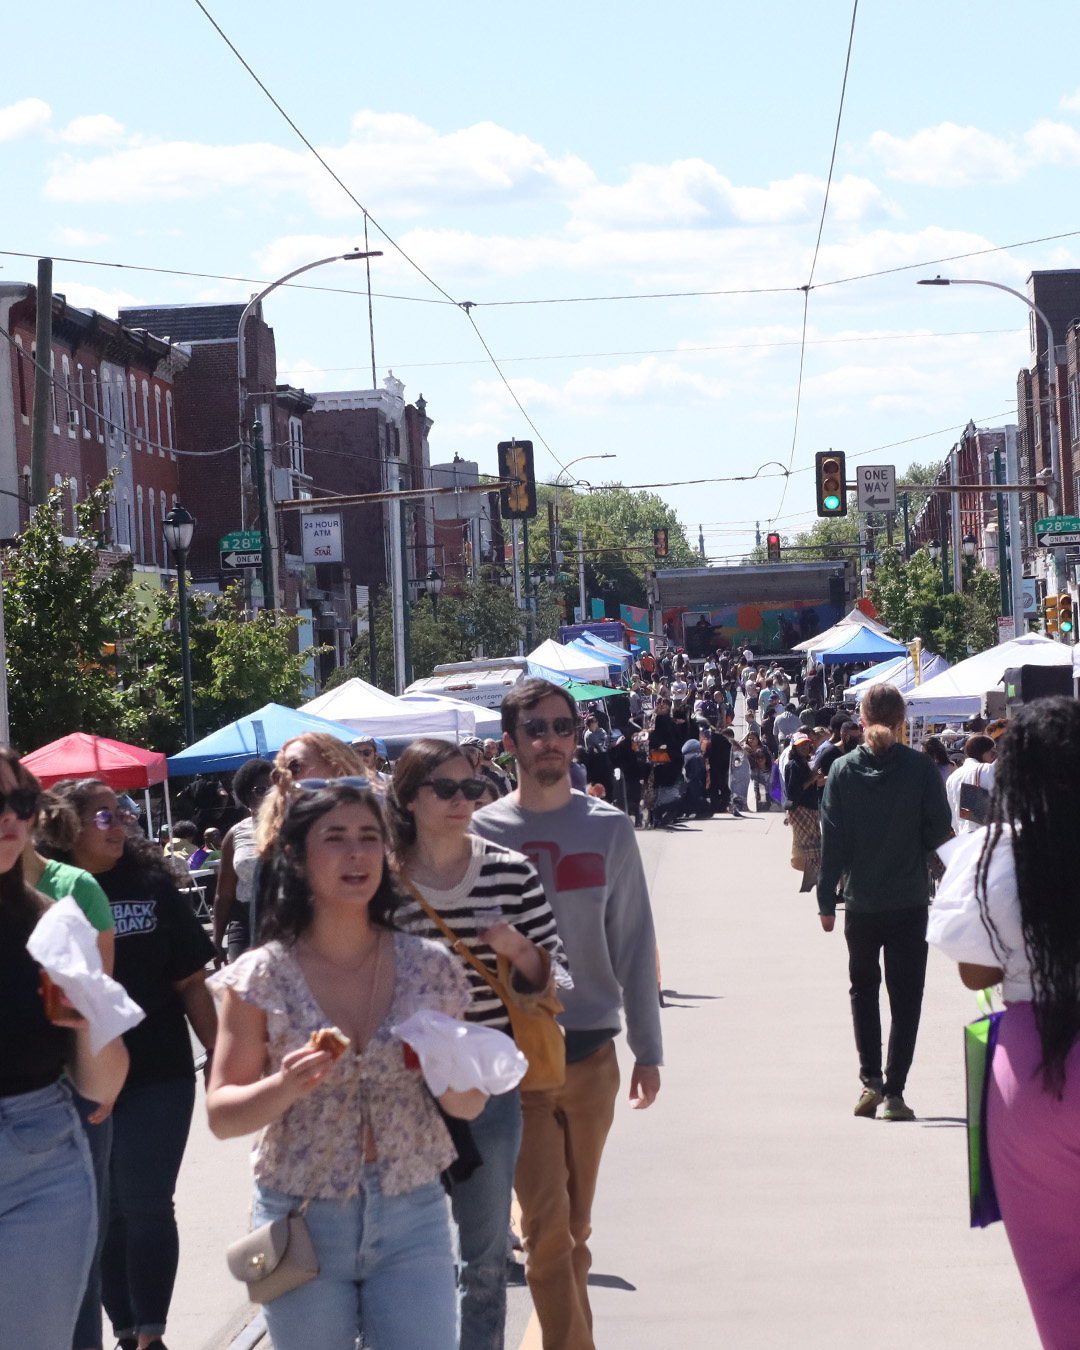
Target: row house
113,410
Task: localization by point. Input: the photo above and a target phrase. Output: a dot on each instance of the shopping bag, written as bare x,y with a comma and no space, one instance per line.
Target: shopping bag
980,1040
776,788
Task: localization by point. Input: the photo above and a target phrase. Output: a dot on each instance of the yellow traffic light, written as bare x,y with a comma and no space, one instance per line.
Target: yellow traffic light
1050,614
518,497
830,466
660,542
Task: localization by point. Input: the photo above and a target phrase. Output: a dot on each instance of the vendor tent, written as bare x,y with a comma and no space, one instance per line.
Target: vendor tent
614,668
123,767
373,712
900,672
956,694
605,648
579,665
585,693
856,619
484,719
260,733
859,644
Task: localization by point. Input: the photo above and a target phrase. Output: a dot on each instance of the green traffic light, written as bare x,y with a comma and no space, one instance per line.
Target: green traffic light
832,503
1066,626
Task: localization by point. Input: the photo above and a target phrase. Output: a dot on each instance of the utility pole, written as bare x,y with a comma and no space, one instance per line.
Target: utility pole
581,572
957,545
373,649
39,427
1003,550
907,528
266,569
397,583
528,584
516,562
1016,557
701,542
757,533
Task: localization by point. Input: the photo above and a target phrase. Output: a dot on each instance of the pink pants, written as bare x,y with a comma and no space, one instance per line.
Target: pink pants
1034,1143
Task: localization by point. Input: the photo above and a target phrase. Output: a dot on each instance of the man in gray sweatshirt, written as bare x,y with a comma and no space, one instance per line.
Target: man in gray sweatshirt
588,859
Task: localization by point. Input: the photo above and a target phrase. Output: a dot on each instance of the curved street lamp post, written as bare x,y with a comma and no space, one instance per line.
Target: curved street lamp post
179,528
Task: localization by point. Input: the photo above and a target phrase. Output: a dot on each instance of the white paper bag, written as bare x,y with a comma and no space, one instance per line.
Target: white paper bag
64,944
461,1055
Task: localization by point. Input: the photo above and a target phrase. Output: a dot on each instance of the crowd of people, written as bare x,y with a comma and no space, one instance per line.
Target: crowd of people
474,881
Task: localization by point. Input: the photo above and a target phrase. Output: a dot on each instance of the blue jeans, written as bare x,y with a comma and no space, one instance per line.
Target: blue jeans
99,1137
48,1218
482,1209
386,1266
142,1246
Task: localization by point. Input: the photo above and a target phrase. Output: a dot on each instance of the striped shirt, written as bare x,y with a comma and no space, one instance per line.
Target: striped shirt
496,877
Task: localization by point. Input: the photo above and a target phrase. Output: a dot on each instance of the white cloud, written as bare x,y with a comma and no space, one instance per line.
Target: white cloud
948,155
95,297
77,238
24,118
1071,101
1054,143
593,390
94,129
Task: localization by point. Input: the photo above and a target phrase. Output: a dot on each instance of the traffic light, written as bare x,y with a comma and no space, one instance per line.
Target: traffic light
518,498
773,542
1065,616
829,476
659,542
1050,614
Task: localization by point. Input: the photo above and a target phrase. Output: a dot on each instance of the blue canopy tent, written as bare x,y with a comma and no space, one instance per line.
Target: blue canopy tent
607,648
261,733
862,645
615,668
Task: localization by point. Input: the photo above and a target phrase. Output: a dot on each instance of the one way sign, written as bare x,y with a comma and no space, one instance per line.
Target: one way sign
877,487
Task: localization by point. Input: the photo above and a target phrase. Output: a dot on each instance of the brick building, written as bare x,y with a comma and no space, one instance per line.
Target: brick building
1057,294
114,409
979,456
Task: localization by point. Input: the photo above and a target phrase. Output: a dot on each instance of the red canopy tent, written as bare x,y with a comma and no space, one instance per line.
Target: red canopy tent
123,767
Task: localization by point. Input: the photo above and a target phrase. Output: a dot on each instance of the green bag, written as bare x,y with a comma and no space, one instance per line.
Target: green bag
980,1040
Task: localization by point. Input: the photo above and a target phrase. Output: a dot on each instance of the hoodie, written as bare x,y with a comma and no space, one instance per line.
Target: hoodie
881,816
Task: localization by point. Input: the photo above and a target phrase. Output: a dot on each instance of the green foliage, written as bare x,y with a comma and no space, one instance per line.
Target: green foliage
61,610
910,599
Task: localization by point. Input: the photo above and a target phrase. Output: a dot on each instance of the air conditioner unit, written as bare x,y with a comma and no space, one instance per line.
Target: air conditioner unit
73,417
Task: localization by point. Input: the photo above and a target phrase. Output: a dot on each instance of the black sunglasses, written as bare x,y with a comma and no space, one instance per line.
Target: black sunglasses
21,802
446,789
562,727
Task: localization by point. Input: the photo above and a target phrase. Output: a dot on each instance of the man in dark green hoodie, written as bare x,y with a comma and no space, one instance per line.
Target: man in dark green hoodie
883,812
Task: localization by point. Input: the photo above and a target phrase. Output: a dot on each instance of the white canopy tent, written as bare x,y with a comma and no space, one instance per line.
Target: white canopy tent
488,721
372,712
572,663
901,673
832,636
956,694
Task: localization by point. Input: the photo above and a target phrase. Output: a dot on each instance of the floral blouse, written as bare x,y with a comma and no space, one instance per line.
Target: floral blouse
316,1148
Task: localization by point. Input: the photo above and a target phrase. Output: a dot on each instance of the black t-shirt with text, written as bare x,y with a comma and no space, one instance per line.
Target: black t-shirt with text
159,942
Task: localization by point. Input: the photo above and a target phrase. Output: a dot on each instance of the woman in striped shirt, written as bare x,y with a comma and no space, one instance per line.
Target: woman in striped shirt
494,901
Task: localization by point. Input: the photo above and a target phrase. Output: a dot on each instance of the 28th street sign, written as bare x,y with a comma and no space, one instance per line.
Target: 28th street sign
877,487
1058,531
240,548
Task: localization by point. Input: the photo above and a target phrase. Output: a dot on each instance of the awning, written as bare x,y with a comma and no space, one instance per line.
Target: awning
261,733
123,767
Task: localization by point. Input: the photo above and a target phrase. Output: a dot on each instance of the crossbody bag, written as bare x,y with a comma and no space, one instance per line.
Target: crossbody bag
537,1034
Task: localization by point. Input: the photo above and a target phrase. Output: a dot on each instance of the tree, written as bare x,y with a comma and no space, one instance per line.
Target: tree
911,601
65,615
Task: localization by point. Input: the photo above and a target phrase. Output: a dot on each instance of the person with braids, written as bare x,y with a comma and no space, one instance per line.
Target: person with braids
48,1204
1008,912
883,812
313,754
161,958
355,1134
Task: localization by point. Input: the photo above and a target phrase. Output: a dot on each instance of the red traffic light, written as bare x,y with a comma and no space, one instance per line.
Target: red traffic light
772,543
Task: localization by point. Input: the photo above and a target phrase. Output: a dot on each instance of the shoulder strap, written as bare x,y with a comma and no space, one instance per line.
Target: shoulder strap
457,943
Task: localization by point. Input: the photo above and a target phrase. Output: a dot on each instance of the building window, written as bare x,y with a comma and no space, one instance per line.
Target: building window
296,445
1038,428
52,392
169,420
134,423
82,411
73,485
141,550
153,531
157,418
1031,327
1074,408
20,365
146,417
95,399
71,416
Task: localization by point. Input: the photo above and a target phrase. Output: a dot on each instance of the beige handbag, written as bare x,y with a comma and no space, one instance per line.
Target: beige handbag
274,1259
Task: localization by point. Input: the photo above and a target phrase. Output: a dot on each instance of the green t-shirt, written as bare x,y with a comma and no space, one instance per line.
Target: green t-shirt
60,879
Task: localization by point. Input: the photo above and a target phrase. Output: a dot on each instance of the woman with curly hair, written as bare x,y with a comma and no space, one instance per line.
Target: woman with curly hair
313,754
161,957
1008,912
356,1135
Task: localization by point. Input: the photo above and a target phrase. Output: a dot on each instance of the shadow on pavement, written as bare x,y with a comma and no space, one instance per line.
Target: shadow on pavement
943,1122
674,993
612,1282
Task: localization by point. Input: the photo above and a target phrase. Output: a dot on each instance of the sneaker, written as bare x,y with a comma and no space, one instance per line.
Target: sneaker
897,1109
869,1102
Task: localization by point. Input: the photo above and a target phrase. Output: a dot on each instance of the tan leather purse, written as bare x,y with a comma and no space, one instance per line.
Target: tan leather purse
274,1259
532,1015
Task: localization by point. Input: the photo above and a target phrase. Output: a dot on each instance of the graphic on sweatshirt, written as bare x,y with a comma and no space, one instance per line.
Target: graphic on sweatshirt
574,872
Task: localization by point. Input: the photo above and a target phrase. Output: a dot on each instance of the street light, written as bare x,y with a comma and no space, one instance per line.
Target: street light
970,544
179,528
434,584
267,568
935,549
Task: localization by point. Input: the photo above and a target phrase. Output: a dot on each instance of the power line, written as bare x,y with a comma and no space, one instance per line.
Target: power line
814,258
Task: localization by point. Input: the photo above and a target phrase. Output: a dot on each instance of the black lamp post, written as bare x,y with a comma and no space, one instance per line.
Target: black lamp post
179,527
434,583
970,544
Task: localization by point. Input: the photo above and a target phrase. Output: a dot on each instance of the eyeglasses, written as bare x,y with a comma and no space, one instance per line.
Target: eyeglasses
446,789
314,784
21,802
562,727
105,820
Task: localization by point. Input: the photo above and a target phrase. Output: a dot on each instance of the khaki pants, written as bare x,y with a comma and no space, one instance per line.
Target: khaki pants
561,1146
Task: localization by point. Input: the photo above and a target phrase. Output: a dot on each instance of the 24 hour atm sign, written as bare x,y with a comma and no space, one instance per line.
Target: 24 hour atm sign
322,538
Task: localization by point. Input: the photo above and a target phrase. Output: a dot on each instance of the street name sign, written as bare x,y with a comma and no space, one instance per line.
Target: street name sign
1058,531
240,548
876,487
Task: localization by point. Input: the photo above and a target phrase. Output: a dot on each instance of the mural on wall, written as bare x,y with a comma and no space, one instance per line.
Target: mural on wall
764,628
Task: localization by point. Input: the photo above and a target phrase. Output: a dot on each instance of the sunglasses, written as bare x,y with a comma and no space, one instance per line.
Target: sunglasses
446,789
314,784
105,820
562,727
21,802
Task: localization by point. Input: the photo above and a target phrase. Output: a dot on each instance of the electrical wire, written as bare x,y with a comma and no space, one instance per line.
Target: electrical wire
814,258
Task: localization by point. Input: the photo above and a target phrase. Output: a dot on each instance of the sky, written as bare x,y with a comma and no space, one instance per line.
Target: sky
578,150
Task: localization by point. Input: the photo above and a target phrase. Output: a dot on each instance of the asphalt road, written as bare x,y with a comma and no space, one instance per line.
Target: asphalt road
748,1208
